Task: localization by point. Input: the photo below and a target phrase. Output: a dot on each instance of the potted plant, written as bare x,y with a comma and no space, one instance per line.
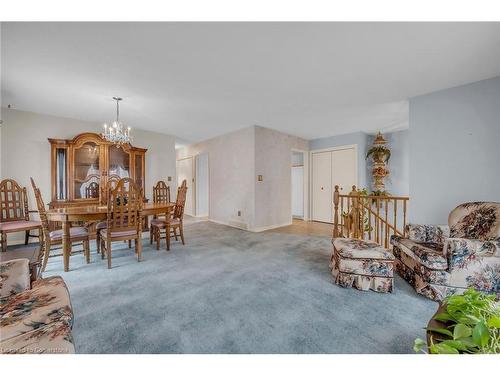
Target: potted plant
464,324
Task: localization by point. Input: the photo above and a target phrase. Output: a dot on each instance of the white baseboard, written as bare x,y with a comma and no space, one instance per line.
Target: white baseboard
269,227
234,224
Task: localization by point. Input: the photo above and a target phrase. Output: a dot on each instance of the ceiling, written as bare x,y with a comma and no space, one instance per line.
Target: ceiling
199,80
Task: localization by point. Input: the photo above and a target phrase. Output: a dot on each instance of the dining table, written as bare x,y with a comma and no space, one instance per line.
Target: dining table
94,213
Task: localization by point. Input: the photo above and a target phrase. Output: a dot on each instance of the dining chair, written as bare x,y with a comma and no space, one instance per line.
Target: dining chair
50,238
161,194
14,212
124,218
105,191
174,222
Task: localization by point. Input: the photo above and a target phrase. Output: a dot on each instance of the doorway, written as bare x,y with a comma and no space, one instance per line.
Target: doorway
201,185
297,173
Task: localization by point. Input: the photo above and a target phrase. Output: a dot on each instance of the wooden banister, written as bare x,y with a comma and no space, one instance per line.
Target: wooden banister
373,217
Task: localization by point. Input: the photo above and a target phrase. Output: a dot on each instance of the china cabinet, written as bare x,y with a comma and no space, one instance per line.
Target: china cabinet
81,167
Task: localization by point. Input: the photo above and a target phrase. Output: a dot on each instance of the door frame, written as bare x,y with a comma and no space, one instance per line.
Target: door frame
329,149
305,154
193,181
195,171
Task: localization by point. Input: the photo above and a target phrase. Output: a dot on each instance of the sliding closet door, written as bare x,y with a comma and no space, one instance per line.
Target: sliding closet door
344,169
322,186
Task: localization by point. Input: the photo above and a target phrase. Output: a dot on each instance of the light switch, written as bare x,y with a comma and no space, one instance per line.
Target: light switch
169,178
260,178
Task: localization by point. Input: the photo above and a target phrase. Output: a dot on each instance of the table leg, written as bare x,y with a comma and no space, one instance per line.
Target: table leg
66,244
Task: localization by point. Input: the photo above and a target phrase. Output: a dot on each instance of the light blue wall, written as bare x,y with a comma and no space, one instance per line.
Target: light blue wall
398,182
358,138
454,149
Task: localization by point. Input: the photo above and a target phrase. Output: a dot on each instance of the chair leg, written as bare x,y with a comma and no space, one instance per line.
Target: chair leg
129,244
86,247
46,252
138,246
26,237
3,241
103,249
151,234
98,241
167,236
157,237
175,234
108,251
181,230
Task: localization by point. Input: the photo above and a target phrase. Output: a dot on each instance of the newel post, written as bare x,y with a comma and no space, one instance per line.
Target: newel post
336,212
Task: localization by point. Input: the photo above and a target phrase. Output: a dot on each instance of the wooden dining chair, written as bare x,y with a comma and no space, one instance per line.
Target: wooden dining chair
124,218
14,212
105,192
51,238
174,222
161,194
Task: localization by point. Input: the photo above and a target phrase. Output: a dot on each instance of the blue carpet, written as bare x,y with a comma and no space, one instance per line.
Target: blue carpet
232,291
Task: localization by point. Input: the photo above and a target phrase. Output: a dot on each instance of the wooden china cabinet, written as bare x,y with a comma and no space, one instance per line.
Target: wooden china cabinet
81,167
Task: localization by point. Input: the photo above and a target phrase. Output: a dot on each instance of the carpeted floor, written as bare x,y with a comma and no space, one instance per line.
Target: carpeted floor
231,291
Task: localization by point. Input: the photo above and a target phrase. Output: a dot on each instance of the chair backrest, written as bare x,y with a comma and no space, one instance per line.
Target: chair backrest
180,201
124,205
13,201
161,192
41,209
92,190
106,189
475,220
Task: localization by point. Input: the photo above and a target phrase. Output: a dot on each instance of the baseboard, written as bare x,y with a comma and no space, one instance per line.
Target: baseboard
269,227
234,224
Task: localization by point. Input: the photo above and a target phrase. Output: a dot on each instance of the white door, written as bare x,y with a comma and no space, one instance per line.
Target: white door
322,186
185,172
298,192
344,169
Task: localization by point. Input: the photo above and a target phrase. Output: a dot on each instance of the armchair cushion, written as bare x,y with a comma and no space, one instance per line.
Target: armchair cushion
47,302
428,233
428,254
475,220
14,277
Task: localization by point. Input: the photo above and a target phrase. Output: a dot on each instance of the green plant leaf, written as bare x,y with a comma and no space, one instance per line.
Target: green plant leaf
443,348
419,345
457,344
443,331
443,317
480,334
494,322
461,330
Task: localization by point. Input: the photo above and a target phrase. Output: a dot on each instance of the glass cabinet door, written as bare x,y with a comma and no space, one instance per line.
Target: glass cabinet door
61,190
119,163
87,171
139,170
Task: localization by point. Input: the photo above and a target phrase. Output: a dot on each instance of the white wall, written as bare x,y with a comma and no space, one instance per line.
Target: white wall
273,195
25,150
231,172
454,149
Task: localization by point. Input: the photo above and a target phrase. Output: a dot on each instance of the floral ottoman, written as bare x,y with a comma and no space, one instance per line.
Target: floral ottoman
362,264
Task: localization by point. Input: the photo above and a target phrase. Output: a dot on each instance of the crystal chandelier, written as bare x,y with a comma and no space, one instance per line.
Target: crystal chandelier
116,132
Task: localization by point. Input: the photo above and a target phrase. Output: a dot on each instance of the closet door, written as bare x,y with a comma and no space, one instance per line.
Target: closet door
344,169
322,186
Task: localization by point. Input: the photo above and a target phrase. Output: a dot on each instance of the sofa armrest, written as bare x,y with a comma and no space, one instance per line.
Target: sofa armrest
428,232
461,251
14,277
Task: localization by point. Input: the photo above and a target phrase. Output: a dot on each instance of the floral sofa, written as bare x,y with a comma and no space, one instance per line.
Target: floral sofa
34,318
438,260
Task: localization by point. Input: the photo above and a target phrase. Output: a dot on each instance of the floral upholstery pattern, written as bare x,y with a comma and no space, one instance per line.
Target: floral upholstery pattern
437,263
36,320
362,264
55,338
14,277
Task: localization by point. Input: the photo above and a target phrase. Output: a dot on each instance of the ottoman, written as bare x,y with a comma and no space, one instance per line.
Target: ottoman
362,264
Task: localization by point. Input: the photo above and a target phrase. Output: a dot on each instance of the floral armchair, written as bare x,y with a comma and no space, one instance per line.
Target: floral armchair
438,260
34,318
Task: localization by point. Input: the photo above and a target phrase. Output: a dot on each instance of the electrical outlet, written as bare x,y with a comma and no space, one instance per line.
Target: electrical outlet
169,178
239,213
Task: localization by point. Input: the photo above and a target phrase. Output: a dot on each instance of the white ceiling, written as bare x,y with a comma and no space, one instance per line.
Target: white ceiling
199,80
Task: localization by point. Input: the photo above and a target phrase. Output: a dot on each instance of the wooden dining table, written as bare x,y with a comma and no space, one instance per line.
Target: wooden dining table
92,213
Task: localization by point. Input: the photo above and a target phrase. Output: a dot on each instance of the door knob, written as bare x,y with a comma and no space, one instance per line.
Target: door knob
321,187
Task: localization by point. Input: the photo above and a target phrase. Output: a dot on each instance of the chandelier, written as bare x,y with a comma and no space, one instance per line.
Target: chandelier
116,132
